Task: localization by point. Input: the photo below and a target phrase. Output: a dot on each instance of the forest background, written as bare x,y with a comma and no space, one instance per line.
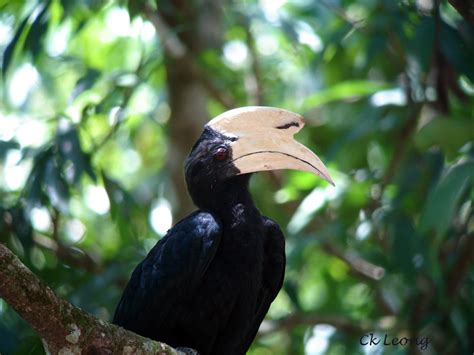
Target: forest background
102,100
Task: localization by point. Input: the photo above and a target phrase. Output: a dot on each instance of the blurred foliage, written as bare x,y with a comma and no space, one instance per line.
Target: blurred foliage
387,89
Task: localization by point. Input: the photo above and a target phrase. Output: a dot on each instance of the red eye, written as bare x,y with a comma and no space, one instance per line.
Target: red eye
220,154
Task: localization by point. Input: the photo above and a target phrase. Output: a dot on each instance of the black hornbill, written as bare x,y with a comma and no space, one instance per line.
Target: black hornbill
209,282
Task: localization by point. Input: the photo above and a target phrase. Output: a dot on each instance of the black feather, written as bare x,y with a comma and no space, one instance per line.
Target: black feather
208,284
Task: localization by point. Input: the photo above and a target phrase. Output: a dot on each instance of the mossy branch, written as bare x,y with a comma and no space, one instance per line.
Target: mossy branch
64,328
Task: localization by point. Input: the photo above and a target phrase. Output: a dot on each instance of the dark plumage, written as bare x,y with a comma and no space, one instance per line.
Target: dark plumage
209,282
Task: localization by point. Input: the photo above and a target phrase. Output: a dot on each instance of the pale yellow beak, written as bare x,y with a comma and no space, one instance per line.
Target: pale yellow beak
264,140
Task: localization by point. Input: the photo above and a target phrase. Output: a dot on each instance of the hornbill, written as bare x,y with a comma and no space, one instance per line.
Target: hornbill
208,284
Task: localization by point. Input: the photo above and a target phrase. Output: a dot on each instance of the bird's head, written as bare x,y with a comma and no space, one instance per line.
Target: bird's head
246,140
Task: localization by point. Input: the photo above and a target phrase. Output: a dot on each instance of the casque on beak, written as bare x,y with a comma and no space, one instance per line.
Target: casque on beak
263,140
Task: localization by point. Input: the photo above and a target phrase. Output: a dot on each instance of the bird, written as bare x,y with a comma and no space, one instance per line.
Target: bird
207,285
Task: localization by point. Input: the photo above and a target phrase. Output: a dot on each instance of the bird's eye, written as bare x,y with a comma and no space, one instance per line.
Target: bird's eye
220,154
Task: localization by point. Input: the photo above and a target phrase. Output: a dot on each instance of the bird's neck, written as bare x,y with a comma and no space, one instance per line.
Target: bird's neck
233,196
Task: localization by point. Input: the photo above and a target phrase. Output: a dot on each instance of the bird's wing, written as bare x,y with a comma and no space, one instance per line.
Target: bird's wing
273,274
172,269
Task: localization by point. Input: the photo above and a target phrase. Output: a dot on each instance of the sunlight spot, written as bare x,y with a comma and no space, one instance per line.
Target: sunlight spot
282,196
113,115
40,219
31,133
8,126
15,173
425,5
314,202
161,218
148,32
143,100
163,113
24,79
319,341
389,97
6,32
363,230
143,30
466,85
235,54
132,161
136,27
117,21
96,199
59,39
306,35
74,231
272,8
267,44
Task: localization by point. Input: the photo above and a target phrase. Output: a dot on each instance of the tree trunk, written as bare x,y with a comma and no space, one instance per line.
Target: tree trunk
197,26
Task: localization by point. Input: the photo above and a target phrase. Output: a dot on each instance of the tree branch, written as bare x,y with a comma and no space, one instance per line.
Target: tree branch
68,254
63,327
359,266
465,8
356,24
356,328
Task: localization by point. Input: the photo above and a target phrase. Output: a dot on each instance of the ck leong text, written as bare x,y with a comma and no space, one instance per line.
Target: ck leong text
372,339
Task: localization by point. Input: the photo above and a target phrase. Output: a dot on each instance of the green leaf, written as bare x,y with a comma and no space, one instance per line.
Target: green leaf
424,33
70,150
33,191
10,49
343,91
85,82
443,200
122,206
56,187
449,134
21,227
404,239
291,289
458,52
33,41
307,209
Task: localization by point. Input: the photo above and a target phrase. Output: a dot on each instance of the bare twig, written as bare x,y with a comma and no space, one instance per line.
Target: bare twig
69,255
359,266
286,324
64,328
356,24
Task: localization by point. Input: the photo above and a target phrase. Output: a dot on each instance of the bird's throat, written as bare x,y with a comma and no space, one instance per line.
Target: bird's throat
233,196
